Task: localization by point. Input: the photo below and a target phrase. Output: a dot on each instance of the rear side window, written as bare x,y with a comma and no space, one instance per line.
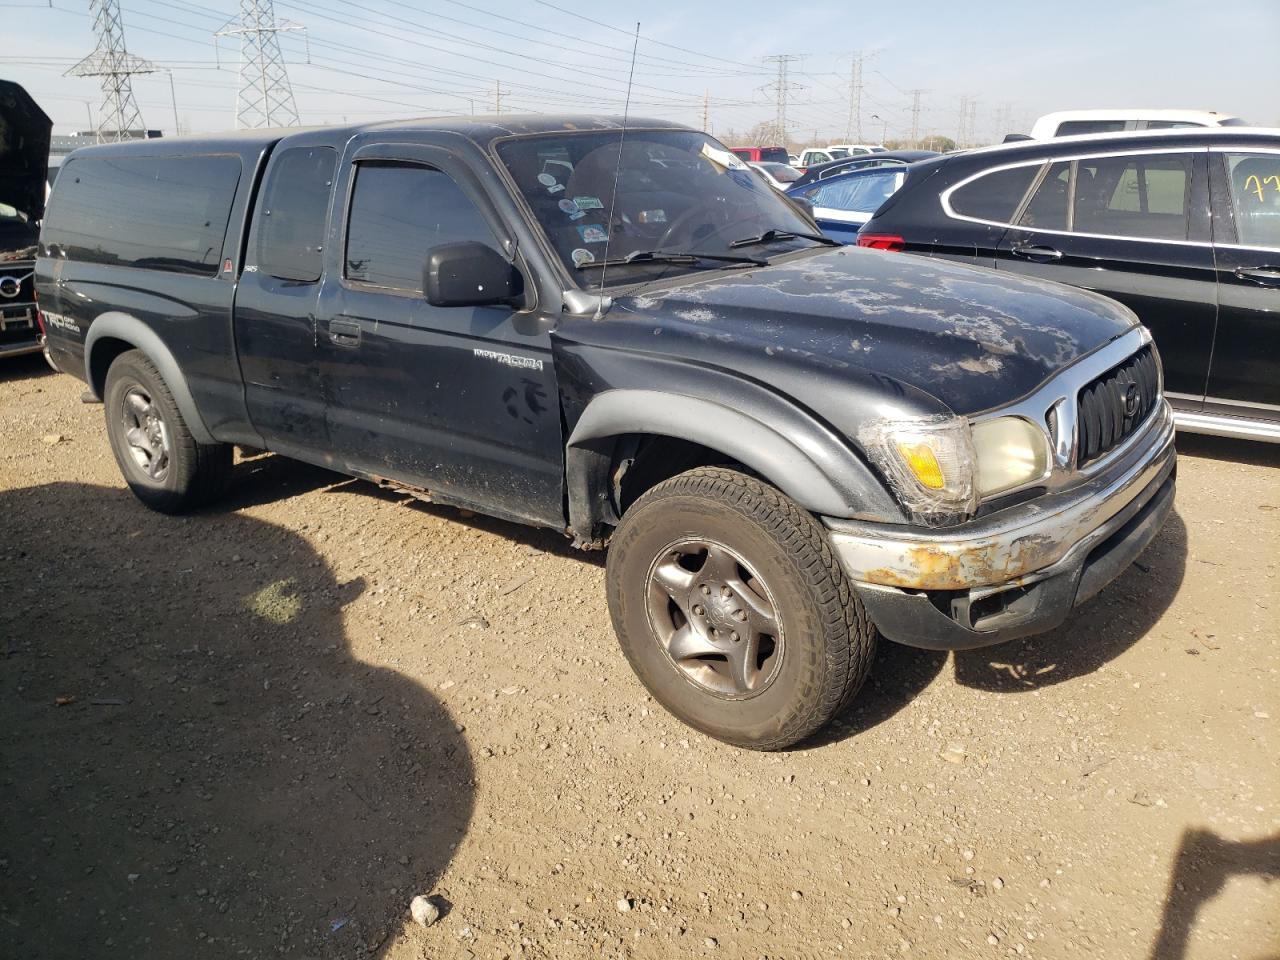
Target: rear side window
994,196
158,213
1133,196
1255,197
861,194
399,212
293,212
1048,208
1071,128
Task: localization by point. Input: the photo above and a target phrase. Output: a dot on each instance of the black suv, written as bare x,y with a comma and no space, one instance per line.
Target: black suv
1182,226
787,446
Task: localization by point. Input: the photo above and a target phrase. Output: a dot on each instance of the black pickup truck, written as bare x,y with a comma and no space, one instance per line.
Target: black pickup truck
789,448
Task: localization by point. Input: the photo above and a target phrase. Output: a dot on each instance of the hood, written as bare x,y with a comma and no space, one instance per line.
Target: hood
25,130
926,333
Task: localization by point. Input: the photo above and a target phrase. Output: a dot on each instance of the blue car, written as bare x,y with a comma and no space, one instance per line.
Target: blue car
843,203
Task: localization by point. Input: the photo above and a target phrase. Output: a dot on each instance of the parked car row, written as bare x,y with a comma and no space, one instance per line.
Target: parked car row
24,161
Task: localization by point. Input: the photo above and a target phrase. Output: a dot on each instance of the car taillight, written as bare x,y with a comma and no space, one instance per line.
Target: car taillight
882,241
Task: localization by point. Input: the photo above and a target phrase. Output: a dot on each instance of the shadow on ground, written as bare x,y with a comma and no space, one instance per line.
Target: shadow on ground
24,367
222,778
1203,865
1229,449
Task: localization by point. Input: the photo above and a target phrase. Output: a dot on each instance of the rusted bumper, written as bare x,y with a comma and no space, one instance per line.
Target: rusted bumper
1019,571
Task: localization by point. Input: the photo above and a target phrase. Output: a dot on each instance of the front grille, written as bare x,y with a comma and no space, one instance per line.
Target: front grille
1116,404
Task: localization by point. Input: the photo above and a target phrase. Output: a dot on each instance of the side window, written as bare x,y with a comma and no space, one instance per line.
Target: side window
860,194
398,213
294,210
994,196
156,213
1071,128
1144,196
1255,197
1048,208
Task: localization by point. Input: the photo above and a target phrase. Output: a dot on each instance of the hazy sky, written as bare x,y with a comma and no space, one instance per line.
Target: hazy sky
377,59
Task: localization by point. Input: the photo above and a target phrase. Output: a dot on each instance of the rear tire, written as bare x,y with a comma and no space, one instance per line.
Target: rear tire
733,611
163,464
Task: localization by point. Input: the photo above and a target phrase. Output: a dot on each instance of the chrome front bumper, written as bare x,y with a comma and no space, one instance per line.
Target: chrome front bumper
1020,570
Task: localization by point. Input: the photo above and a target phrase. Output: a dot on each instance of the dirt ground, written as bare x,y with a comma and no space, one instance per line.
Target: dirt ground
292,712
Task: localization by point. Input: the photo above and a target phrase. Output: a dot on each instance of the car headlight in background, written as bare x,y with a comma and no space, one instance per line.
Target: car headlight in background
1009,452
930,464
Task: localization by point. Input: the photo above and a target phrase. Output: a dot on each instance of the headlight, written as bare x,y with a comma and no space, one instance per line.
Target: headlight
930,464
1009,452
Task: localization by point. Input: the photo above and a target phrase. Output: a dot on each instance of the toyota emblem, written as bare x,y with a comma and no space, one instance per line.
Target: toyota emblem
10,287
1131,400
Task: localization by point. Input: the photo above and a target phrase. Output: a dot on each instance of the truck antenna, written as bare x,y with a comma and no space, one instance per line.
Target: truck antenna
617,169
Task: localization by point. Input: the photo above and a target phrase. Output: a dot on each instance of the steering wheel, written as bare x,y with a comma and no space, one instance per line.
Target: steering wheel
717,217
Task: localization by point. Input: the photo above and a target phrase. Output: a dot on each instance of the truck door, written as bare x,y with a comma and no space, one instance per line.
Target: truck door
275,311
461,401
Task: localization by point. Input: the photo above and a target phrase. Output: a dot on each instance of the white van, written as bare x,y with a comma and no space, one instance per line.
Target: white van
1069,123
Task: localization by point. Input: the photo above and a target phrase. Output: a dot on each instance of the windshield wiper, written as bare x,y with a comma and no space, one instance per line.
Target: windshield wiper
662,256
770,236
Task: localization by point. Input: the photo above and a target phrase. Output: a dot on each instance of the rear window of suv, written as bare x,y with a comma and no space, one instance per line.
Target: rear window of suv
157,213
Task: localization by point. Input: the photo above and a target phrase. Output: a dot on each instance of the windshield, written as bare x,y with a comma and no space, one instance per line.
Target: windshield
678,191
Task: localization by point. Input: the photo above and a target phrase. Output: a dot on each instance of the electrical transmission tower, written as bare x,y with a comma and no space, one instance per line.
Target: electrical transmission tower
915,114
265,98
780,88
119,117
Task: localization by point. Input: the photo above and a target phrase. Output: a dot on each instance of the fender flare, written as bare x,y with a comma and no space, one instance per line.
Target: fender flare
115,325
803,458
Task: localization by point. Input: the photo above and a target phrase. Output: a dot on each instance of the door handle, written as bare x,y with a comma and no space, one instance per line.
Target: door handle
1266,276
1037,252
344,333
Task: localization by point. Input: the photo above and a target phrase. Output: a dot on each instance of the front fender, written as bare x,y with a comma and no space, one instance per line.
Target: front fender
782,442
114,326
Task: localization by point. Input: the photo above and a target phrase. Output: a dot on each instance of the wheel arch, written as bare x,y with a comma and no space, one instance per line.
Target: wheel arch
790,450
114,333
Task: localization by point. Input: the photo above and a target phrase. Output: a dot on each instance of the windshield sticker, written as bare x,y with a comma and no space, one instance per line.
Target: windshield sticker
555,188
588,203
546,179
568,206
592,233
722,160
582,256
653,216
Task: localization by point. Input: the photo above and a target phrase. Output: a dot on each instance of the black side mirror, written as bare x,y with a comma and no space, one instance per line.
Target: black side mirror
804,203
469,274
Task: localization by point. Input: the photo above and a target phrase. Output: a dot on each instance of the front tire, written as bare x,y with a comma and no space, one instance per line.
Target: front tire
733,611
163,464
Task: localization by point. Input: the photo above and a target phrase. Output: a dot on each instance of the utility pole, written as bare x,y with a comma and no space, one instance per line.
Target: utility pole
706,111
972,125
781,87
497,97
119,115
265,97
915,114
961,138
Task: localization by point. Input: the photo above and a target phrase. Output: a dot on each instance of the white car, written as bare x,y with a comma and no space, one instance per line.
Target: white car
840,151
779,175
813,156
1069,123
